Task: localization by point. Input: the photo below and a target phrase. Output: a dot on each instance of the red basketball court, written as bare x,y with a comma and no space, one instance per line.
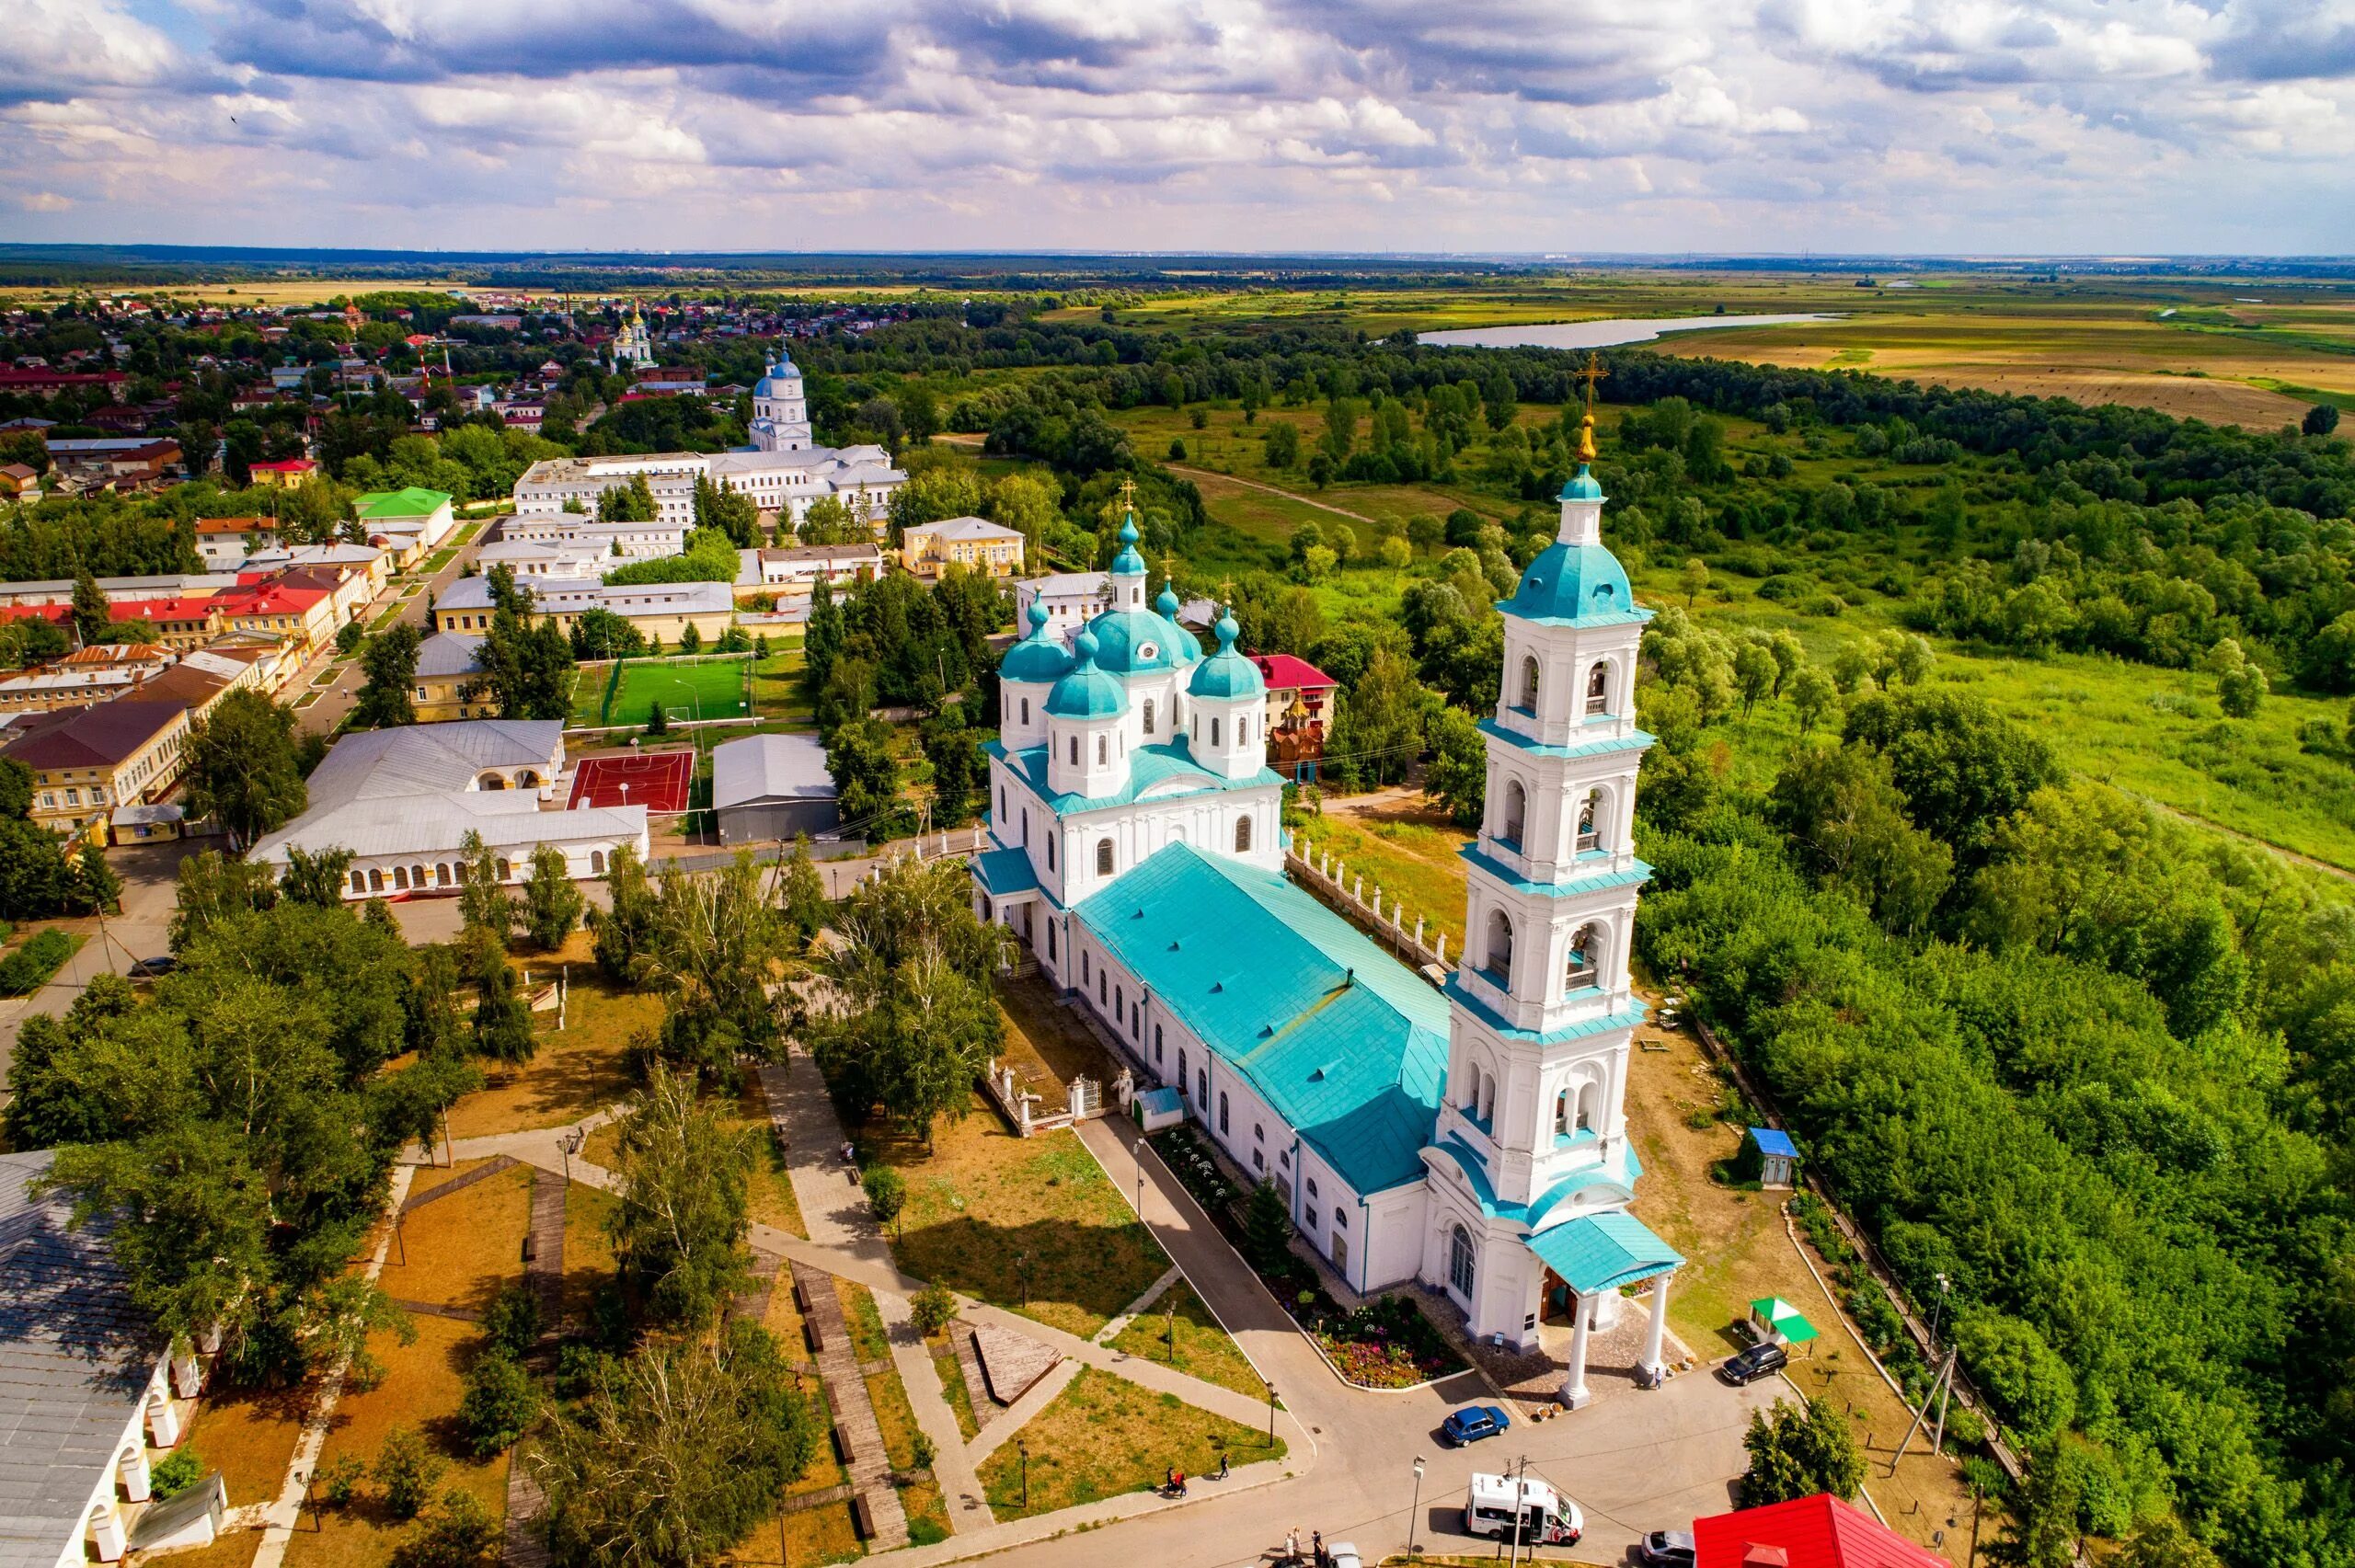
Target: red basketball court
656,780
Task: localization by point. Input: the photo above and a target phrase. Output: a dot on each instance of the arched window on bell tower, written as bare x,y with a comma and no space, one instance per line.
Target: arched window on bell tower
1598,687
1500,964
1590,822
1584,967
1528,702
1516,813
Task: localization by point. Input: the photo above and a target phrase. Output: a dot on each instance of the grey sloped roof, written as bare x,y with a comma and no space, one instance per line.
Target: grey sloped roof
450,653
769,767
75,1359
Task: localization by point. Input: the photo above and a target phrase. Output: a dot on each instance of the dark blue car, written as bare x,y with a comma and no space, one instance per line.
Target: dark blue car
1472,1423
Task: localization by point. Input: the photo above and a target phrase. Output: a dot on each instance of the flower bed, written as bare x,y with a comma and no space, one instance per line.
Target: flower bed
1386,1344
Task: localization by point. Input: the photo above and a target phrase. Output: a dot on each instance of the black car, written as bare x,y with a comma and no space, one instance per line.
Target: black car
1758,1361
154,968
1666,1549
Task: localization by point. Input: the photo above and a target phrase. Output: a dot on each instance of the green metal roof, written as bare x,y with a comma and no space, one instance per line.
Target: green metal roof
413,501
1172,767
1341,1041
1003,872
1783,1318
1603,1252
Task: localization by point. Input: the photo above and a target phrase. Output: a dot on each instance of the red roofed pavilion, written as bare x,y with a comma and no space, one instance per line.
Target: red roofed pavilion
1821,1531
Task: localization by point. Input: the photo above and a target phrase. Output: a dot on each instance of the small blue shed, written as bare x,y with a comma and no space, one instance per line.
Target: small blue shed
1158,1108
1772,1155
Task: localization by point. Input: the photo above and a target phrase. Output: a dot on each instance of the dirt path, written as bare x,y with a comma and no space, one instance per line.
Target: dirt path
1200,473
2193,817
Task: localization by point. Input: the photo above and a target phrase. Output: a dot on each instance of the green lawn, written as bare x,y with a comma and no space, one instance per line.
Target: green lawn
1103,1437
1204,1350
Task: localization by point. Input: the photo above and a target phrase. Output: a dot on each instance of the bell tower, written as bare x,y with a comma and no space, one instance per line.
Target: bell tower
1542,1009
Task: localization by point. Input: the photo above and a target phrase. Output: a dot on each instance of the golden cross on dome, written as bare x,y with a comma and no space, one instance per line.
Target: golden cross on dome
1590,372
1128,495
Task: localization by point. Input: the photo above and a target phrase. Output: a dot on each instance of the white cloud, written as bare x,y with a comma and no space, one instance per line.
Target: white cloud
1536,124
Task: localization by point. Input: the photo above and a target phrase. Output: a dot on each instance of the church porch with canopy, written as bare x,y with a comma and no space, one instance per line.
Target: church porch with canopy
1586,1262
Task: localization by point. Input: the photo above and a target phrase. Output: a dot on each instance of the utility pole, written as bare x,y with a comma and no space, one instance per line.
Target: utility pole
1946,1371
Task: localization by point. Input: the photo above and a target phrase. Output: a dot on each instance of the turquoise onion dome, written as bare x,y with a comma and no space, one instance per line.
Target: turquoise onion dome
1128,563
1038,659
1226,673
1573,583
1086,692
1582,486
1181,641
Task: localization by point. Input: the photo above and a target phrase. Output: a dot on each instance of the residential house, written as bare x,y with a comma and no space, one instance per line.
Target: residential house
1821,1531
1300,712
285,472
126,462
659,611
86,762
990,549
303,617
42,381
610,543
18,479
180,623
1071,598
408,522
793,570
449,665
226,543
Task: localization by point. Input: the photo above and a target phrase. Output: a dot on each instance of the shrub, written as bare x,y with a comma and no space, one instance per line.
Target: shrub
176,1472
406,1470
886,1193
339,1480
512,1319
934,1307
460,1533
501,1399
29,968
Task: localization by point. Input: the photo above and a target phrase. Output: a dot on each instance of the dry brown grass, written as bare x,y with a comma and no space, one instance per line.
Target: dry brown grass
234,1549
584,1069
250,1437
1045,1044
464,1248
1104,1436
1204,1350
422,1389
1740,1251
589,1267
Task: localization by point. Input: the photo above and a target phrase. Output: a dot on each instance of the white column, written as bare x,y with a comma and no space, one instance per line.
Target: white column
1657,1330
105,1531
163,1420
133,1466
1574,1389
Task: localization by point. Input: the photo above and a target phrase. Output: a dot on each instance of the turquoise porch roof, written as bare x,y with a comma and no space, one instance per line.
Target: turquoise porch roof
1340,1039
1006,872
1603,1251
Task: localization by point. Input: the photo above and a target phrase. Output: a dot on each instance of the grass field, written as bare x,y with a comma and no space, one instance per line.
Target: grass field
1204,1350
691,688
1104,1436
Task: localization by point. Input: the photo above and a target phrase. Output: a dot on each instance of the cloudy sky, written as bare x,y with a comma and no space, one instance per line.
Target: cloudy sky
1973,126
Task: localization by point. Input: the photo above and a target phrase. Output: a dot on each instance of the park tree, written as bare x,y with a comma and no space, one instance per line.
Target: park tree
1458,774
867,779
93,611
1799,1450
887,1195
728,509
684,1175
552,900
910,1019
712,949
624,929
803,892
1378,725
674,1454
485,912
830,520
389,661
1267,1228
503,1029
958,768
1027,504
501,1401
94,889
211,887
243,768
599,634
934,1307
632,502
315,878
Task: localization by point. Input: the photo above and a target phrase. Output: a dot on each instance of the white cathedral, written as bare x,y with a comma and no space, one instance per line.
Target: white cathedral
1473,1139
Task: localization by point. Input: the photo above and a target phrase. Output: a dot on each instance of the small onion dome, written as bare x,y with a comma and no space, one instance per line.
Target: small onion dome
1571,582
1086,691
1226,673
1184,650
1128,563
1582,488
1037,658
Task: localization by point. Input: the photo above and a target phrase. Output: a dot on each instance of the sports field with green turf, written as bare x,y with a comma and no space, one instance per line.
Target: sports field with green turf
691,690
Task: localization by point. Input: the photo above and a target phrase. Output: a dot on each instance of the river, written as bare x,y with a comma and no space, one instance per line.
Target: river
1608,334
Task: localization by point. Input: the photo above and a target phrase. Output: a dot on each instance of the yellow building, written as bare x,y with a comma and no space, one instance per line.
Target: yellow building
88,761
449,665
929,549
660,610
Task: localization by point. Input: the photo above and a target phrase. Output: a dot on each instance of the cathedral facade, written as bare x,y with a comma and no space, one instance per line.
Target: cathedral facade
1473,1139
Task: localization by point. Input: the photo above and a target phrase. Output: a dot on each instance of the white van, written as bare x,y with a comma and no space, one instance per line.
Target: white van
1547,1518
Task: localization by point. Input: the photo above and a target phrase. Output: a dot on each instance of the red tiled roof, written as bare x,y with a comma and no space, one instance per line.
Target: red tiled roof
267,599
1282,672
59,378
180,608
60,613
285,465
237,524
1821,1531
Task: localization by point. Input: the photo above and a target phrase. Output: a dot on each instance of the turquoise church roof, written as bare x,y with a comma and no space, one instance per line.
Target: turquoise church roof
1227,673
1038,659
1582,487
1581,585
1086,691
1340,1040
1128,563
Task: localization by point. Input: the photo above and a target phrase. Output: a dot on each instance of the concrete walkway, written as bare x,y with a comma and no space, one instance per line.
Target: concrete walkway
952,1466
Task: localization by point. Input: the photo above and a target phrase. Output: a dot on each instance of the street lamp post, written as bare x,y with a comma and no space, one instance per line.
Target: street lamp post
1415,1509
1271,1416
1024,1445
1938,1310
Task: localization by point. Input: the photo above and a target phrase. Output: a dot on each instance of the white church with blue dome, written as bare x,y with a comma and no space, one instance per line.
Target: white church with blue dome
1473,1139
